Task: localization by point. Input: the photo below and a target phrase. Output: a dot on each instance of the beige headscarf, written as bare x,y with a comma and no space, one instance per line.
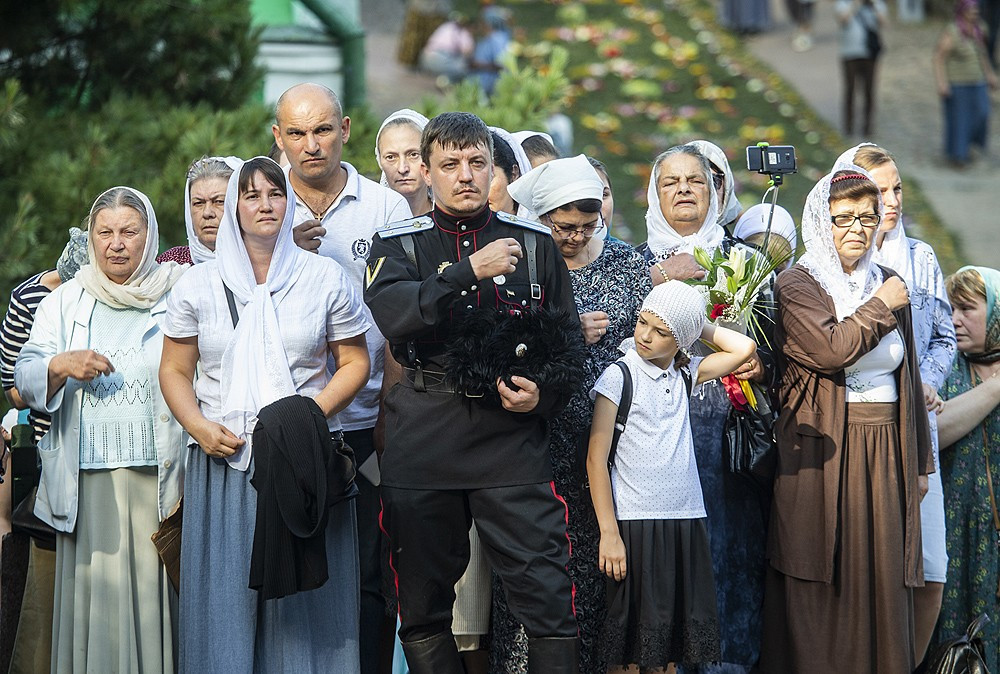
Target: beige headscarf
147,284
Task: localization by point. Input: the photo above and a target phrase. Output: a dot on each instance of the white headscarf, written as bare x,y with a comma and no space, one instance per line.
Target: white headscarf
413,116
199,251
894,252
849,291
521,136
557,183
664,239
681,307
255,369
730,208
754,221
147,284
523,163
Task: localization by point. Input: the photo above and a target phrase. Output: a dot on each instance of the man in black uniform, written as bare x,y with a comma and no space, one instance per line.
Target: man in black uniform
448,458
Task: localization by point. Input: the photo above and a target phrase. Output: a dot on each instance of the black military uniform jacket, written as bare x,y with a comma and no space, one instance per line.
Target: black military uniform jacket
438,440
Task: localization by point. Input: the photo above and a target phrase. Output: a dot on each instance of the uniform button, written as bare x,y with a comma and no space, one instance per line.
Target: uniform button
464,293
469,307
472,288
465,243
164,418
524,303
464,228
167,463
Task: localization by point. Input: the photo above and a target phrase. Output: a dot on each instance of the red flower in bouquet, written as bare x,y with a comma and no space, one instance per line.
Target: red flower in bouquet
717,310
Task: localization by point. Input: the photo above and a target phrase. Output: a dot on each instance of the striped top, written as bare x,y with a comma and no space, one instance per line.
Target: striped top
14,331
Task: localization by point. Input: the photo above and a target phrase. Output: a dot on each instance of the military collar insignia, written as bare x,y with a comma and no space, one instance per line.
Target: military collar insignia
523,222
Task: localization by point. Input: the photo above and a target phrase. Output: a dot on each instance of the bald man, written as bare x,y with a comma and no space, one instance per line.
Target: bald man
336,214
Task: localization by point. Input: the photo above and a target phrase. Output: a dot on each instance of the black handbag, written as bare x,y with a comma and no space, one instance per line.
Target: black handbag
748,439
963,654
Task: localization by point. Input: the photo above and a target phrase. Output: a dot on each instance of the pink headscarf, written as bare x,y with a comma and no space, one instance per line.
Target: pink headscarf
968,28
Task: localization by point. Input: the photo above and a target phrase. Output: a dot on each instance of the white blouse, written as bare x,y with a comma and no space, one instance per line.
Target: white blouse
872,378
322,306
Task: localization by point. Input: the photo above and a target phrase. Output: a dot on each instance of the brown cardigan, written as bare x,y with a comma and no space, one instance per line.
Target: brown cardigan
814,349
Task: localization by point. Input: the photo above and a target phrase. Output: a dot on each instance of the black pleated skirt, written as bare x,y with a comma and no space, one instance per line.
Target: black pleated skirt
664,610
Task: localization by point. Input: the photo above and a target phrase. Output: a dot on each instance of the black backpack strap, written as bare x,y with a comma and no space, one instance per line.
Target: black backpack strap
531,253
624,405
231,300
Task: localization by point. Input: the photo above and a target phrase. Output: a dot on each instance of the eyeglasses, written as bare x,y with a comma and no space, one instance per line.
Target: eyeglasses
569,231
846,221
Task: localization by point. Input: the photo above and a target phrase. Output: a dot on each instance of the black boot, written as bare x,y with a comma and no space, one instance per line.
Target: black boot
553,655
434,655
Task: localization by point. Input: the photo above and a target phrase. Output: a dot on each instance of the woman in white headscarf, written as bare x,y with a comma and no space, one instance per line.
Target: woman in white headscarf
609,280
722,180
261,320
683,214
397,150
934,338
112,462
509,164
853,449
783,240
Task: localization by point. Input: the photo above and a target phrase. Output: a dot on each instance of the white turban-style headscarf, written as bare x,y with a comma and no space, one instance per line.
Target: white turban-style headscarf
412,116
894,252
730,207
255,370
147,284
557,183
849,291
754,221
199,251
663,240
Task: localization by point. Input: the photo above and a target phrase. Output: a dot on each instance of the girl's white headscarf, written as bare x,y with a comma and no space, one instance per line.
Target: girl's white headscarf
412,116
557,183
199,251
849,291
894,252
663,239
730,207
754,221
147,284
255,369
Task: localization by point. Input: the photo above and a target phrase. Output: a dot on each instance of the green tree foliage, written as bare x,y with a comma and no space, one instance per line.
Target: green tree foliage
81,53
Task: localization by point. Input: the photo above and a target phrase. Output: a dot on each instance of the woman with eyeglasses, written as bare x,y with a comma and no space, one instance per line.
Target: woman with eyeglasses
609,282
854,449
682,214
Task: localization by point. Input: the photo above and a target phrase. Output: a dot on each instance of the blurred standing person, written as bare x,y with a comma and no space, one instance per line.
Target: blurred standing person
934,340
861,23
969,432
802,12
491,47
337,212
33,642
397,150
112,462
449,49
964,77
745,17
421,19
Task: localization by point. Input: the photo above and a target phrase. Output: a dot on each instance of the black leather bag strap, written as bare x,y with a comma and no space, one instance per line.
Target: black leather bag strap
410,249
624,405
231,300
531,253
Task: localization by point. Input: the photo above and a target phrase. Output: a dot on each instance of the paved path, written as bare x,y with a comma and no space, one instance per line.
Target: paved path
908,123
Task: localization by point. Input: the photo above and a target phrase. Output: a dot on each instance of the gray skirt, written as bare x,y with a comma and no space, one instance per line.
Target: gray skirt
224,626
112,608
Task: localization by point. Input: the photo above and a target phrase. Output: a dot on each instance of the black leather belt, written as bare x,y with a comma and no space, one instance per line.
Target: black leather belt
426,381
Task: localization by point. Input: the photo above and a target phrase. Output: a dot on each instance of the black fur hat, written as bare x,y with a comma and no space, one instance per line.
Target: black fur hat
544,345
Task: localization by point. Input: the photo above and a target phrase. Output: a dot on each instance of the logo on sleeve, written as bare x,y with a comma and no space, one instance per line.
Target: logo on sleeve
372,270
360,249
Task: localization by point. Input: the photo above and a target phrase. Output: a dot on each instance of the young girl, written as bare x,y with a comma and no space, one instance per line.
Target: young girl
654,543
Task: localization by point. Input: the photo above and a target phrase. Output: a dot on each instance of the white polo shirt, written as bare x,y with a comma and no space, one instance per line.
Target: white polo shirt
350,224
655,475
